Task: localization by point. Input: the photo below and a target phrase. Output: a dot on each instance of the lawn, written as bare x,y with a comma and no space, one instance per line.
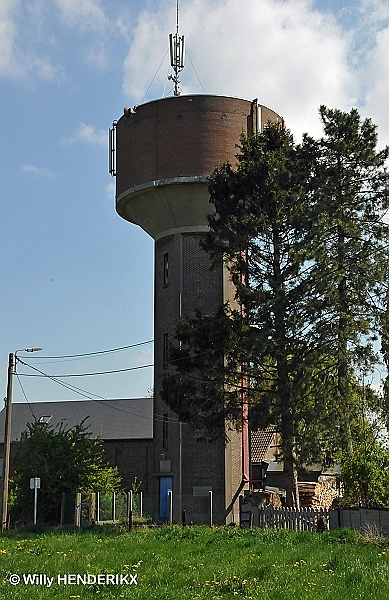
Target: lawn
194,562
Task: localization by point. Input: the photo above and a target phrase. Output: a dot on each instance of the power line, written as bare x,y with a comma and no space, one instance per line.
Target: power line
98,353
89,396
171,361
84,374
24,394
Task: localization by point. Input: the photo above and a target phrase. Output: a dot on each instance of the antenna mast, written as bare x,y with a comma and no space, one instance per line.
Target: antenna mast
177,52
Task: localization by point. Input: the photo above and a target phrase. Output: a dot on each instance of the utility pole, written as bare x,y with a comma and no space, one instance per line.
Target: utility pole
7,442
7,435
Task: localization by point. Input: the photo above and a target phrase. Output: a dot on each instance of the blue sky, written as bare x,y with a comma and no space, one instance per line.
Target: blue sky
75,277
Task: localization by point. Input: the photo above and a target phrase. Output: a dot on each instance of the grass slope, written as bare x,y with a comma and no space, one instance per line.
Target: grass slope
198,563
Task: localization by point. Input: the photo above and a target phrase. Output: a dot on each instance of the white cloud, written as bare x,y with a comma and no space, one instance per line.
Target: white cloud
31,38
149,44
376,74
88,134
22,31
44,69
290,56
36,171
374,70
376,10
124,25
96,56
144,357
82,13
89,17
110,190
7,35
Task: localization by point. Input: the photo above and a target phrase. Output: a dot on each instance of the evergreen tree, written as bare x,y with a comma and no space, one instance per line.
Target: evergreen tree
301,231
350,197
259,229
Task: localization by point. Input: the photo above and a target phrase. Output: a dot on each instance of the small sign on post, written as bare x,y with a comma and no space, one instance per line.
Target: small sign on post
35,484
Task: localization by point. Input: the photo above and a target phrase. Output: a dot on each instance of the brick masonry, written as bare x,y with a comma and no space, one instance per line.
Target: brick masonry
133,458
181,136
191,285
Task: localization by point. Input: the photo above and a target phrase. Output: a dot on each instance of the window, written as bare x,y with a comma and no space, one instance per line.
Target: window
164,430
166,269
165,357
45,418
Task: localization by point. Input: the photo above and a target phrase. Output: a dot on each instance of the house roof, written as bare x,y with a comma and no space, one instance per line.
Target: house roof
112,419
261,442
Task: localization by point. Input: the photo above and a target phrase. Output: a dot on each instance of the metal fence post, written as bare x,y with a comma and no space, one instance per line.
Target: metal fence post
78,510
62,517
170,497
129,510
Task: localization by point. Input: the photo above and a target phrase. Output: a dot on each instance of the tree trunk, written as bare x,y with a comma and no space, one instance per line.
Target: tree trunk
342,347
283,379
290,477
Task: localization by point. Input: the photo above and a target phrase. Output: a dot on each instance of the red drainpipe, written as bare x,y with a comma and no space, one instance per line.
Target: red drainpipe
245,410
245,432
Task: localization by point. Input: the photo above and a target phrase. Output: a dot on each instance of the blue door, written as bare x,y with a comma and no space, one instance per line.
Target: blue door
165,484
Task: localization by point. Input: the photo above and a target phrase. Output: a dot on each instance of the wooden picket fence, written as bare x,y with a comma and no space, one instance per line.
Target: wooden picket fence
303,519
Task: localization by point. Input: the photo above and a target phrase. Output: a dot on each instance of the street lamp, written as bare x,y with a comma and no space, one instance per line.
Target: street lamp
12,358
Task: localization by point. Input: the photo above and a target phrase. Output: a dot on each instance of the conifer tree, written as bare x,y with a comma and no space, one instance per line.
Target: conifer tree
350,197
301,231
259,230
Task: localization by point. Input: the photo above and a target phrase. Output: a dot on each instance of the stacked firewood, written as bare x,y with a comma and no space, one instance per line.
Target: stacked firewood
306,493
320,494
273,499
325,492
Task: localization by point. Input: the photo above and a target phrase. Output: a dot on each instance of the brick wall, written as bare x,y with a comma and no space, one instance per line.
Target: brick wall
191,285
133,458
180,136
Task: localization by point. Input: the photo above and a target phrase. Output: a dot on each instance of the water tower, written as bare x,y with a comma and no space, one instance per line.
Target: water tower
162,153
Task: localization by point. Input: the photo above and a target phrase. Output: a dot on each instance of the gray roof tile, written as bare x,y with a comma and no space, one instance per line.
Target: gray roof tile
112,419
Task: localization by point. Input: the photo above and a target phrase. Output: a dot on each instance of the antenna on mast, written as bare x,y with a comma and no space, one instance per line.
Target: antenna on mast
177,52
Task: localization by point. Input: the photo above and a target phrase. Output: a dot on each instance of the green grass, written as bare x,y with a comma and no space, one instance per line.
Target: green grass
200,563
